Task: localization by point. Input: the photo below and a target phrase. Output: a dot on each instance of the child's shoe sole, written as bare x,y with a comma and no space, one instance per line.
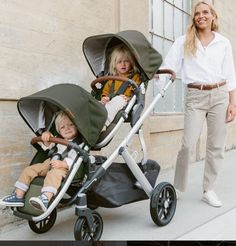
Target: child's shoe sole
11,204
37,203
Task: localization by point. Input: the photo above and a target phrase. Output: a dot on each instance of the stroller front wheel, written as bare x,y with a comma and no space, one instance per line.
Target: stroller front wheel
82,231
44,225
163,203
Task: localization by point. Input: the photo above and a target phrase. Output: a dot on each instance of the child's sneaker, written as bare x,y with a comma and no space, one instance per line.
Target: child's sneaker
40,202
12,201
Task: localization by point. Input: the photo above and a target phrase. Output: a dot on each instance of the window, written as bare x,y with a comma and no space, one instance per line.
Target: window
169,20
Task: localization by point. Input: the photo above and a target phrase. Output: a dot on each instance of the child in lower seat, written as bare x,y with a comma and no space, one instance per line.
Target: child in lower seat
53,170
121,64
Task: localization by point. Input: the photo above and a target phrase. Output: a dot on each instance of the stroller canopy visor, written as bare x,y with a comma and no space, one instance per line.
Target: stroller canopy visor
89,115
97,50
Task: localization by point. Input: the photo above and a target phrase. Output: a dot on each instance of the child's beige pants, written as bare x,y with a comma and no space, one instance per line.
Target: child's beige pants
52,181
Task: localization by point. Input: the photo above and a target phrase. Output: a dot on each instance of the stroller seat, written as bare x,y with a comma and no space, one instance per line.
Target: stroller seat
130,113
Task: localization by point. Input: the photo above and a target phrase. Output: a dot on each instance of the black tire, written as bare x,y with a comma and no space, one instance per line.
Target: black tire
93,207
163,203
44,225
81,229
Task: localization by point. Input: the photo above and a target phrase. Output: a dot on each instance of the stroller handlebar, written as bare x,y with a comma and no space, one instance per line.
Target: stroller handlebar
52,140
65,142
167,71
109,77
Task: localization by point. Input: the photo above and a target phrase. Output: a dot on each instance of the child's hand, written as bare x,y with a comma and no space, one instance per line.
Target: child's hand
105,99
125,98
46,136
58,164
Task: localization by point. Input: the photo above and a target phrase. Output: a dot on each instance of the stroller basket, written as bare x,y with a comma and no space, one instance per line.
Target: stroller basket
118,186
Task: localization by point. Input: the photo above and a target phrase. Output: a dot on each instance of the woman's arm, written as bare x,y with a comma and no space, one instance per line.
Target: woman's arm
175,56
231,111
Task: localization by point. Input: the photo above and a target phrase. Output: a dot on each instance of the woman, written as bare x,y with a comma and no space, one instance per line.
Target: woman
204,58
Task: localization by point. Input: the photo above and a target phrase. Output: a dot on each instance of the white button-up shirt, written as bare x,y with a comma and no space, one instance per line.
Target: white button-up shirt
211,64
70,158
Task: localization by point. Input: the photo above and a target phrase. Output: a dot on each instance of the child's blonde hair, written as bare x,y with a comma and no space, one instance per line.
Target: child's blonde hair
116,54
190,47
59,118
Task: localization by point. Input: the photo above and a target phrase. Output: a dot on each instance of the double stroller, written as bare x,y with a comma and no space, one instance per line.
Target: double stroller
95,180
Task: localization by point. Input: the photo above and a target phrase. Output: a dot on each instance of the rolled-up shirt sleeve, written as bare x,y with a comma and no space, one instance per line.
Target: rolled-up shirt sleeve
175,56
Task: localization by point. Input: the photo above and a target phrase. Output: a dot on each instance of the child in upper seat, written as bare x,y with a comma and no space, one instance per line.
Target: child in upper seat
114,97
53,170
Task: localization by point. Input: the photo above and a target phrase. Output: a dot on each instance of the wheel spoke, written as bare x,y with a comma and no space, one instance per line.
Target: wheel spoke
85,231
96,226
166,213
164,193
41,224
159,203
171,201
161,212
86,236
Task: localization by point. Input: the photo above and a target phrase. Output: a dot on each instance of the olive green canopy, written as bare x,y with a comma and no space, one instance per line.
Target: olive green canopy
98,48
89,115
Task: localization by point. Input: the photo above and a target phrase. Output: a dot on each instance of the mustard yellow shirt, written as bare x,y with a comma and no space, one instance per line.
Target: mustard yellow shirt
117,83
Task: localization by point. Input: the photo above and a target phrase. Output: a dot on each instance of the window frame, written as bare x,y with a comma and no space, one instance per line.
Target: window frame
171,104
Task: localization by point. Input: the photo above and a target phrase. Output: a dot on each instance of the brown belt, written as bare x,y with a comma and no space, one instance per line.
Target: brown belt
206,86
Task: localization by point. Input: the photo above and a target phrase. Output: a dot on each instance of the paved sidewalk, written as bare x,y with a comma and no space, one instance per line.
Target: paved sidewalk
193,220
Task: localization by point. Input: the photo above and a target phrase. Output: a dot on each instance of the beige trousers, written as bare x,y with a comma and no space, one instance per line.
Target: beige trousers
201,105
52,181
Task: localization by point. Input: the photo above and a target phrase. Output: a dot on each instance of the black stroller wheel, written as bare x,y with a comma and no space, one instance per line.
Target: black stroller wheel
93,207
82,232
44,225
163,203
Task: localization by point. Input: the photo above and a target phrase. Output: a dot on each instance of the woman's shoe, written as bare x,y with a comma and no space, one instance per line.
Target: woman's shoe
211,198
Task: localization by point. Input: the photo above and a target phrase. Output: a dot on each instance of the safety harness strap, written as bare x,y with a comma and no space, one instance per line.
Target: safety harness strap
120,91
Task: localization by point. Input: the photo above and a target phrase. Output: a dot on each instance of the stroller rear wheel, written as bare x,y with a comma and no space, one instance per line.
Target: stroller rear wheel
44,225
82,231
163,203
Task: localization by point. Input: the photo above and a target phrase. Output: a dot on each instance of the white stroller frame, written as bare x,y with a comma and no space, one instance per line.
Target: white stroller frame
121,150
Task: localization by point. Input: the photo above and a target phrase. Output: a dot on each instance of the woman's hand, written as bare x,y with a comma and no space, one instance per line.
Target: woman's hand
45,137
105,99
58,164
231,113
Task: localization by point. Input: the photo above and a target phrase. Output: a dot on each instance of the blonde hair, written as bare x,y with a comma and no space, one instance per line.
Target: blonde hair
118,52
192,33
60,117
